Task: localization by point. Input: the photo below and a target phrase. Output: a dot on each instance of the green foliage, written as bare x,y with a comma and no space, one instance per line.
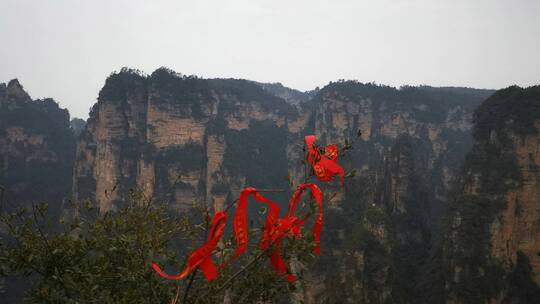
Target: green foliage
92,259
123,85
426,104
29,173
512,109
42,117
187,94
105,258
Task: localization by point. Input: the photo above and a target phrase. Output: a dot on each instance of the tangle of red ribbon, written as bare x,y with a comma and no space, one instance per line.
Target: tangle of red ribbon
317,195
276,229
325,164
290,226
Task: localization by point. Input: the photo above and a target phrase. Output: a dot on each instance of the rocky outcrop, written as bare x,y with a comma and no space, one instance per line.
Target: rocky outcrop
167,134
491,246
36,148
411,145
184,140
439,120
387,239
77,125
518,229
175,136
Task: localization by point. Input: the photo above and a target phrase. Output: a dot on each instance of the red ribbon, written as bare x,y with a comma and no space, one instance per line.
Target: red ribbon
202,256
240,224
290,226
325,166
274,233
316,193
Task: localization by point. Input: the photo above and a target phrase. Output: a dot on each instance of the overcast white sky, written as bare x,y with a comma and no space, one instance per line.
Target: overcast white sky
66,48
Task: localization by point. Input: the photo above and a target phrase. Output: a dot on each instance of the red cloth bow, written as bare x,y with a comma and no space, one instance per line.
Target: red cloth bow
325,166
202,256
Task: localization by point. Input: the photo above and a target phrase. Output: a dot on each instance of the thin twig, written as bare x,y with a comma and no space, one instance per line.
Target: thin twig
239,272
47,245
2,189
175,300
192,277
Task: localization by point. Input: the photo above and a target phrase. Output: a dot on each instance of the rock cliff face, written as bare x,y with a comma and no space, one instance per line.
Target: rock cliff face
411,145
178,137
184,140
518,229
36,148
491,246
168,135
439,120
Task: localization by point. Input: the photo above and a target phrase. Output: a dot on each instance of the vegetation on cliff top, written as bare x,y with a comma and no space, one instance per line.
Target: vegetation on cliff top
428,104
39,170
119,86
512,109
188,92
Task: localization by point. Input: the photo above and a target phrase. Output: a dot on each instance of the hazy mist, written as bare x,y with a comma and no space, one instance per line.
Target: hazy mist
65,49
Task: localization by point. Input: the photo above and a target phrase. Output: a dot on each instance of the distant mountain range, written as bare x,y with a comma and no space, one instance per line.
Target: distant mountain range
444,207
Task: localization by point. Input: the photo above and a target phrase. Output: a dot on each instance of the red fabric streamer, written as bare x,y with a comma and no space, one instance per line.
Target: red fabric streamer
316,193
202,256
287,226
276,229
324,165
290,226
240,224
